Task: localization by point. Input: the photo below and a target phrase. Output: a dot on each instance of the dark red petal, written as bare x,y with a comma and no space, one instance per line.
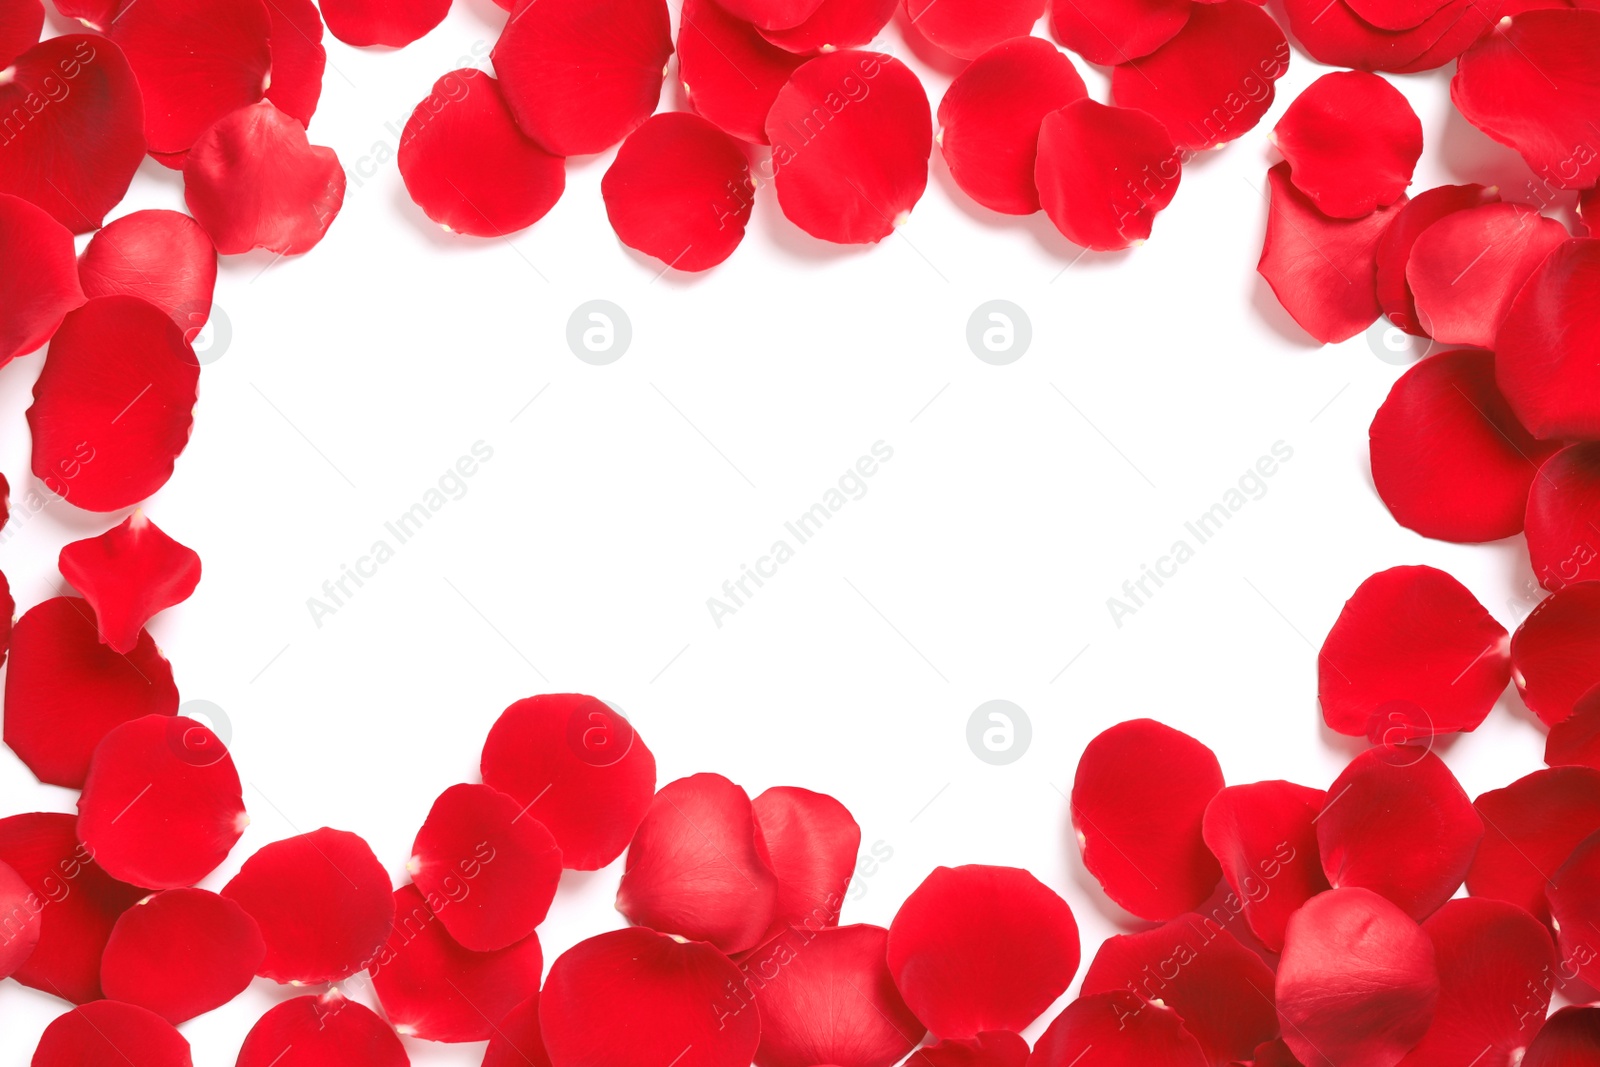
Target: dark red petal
254,181
837,24
1138,803
466,164
162,805
1575,740
8,609
129,574
491,867
298,58
994,1048
771,14
580,75
1589,211
1221,990
196,61
23,921
1563,517
1104,172
114,405
1119,31
1334,34
322,1031
323,903
1265,837
1116,1030
731,74
1396,14
826,996
982,948
1530,828
695,870
1352,143
635,998
1530,84
851,134
39,280
76,902
1449,457
1398,823
65,690
1555,653
580,768
1574,896
109,1034
811,844
1546,364
21,22
1323,270
1214,80
163,257
1570,1039
990,116
1466,268
181,954
1275,1054
393,23
968,28
1394,251
84,135
1411,655
517,1041
680,190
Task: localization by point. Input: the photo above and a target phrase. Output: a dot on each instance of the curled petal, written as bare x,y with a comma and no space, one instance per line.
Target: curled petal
982,948
1265,837
322,1031
1466,268
1571,1038
1352,142
391,23
128,575
298,58
1394,251
38,282
1545,363
181,954
1110,33
163,257
23,920
517,1041
108,1034
1117,1030
811,843
993,1048
730,72
836,25
968,28
1530,828
1138,804
1574,896
1104,172
1575,740
1564,515
1555,653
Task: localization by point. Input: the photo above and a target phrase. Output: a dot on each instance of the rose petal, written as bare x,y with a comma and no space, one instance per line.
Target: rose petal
517,1041
129,574
836,25
982,948
298,58
392,23
1563,517
1555,653
1334,34
1570,1039
1396,14
1104,172
731,74
969,28
1530,828
322,1031
811,844
39,286
1589,211
24,920
1575,740
1275,1054
1394,250
109,1034
1574,896
993,1048
851,134
1265,837
95,14
1116,1030
1138,803
771,14
181,954
1546,346
1352,142
163,257
21,23
323,903
1119,31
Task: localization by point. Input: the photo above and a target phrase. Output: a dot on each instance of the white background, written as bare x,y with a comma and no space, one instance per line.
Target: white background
620,498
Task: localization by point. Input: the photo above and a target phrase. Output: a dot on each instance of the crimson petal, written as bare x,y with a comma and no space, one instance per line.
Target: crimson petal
731,74
1394,251
1265,837
392,23
1574,896
1575,740
21,23
1118,31
39,283
993,1048
1104,172
1334,34
1396,14
1563,517
322,1031
1466,269
1571,1038
298,58
517,1041
837,24
1546,346
24,920
129,574
811,844
1555,653
968,28
1352,142
771,14
1530,828
1116,1030
109,1034
181,954
160,256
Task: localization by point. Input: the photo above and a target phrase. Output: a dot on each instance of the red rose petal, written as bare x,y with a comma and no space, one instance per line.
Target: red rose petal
181,954
1555,653
298,58
1334,34
322,1031
323,903
1466,268
990,116
196,61
1221,990
254,181
1575,740
1411,655
1323,270
496,866
1589,211
851,134
580,75
1563,517
1352,142
1530,828
466,164
1214,80
84,136
1394,251
1571,1038
836,25
1545,363
811,844
128,575
114,405
21,22
1138,803
1398,823
695,870
994,1048
1449,458
95,14
581,770
162,805
680,190
635,998
1120,31
771,14
1265,837
24,920
392,23
76,902
826,996
1104,172
1116,1030
1531,84
1396,14
163,257
39,285
1357,983
730,73
968,28
65,690
1275,1054
982,948
109,1034
1574,896
517,1041
8,611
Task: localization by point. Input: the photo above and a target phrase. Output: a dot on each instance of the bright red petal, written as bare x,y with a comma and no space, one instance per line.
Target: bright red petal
128,575
39,280
1546,364
24,920
323,903
1138,803
109,1034
160,256
811,844
851,134
968,28
1104,172
65,690
1396,14
181,954
1117,1030
1110,33
1555,653
517,1041
298,58
1575,740
995,1048
1563,518
392,23
1352,143
731,74
1394,251
1334,34
771,14
322,1031
836,25
21,22
1574,896
1570,1039
982,948
1530,829
1466,269
1265,837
